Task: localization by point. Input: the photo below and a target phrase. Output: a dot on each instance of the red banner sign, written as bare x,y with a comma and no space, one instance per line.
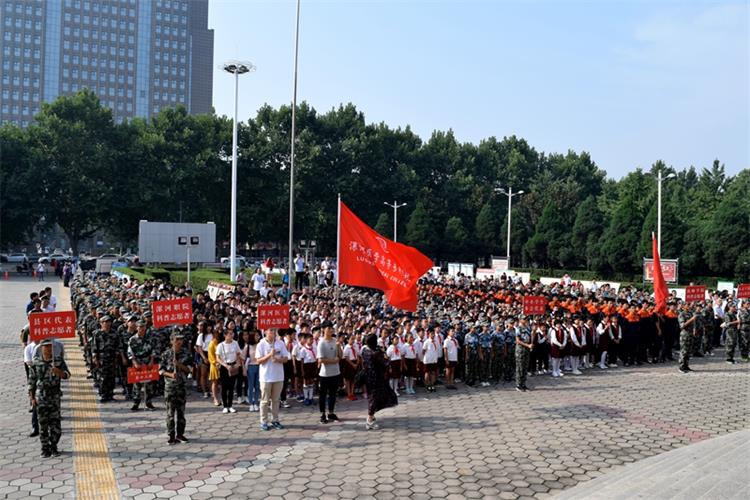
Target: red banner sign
172,312
57,325
146,373
273,317
743,291
534,305
695,293
668,269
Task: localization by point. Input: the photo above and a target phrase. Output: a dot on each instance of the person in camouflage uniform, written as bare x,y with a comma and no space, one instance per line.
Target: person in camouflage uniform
697,341
485,363
174,367
744,334
45,393
498,354
141,352
731,322
471,343
708,329
510,352
105,353
124,334
524,346
687,320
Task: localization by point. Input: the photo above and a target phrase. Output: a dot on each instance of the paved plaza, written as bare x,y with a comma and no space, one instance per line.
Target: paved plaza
471,443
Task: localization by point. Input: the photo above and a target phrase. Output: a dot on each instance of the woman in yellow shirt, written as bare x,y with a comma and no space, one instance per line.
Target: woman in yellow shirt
213,373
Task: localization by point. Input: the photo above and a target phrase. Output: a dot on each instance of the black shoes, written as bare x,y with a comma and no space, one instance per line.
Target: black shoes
150,406
332,417
172,440
45,454
684,369
323,419
182,439
136,406
55,452
34,434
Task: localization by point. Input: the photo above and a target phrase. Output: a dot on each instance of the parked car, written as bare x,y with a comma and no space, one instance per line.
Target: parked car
17,258
240,262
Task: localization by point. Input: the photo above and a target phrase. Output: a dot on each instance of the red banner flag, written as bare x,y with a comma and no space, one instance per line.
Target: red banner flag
660,286
368,259
695,293
743,291
534,305
57,325
146,373
273,316
172,312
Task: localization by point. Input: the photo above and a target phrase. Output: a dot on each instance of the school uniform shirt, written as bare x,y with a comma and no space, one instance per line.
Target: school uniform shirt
430,351
271,371
418,346
306,354
351,353
393,353
203,340
451,345
411,351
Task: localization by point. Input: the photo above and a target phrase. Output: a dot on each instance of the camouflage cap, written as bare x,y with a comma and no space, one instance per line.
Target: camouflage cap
105,318
177,335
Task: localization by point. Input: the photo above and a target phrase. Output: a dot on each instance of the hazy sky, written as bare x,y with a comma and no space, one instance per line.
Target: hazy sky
629,81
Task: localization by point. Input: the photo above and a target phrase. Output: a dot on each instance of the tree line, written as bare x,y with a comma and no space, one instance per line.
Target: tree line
77,168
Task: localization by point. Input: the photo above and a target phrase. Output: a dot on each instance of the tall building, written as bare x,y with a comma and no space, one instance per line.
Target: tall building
138,56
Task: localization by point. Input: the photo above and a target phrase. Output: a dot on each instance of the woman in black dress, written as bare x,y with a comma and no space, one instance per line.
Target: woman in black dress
380,395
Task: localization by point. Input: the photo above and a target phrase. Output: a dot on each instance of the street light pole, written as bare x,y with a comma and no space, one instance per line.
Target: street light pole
236,68
395,207
510,194
291,162
659,180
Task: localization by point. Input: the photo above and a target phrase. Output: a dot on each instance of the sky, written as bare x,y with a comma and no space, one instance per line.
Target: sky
631,82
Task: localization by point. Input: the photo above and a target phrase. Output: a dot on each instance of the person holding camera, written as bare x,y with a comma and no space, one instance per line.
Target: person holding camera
271,355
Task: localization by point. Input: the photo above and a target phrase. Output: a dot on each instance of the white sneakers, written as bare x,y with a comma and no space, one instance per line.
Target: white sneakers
232,410
229,410
225,410
577,372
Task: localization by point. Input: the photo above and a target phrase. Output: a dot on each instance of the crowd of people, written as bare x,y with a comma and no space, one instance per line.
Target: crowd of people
348,342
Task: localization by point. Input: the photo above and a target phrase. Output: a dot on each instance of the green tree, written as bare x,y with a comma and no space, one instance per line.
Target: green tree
587,229
419,230
455,237
384,225
727,236
486,229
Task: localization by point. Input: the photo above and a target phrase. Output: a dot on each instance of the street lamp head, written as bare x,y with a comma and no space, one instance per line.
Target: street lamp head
238,67
520,192
671,176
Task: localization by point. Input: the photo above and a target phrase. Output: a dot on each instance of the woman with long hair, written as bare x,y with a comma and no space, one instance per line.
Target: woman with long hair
381,396
213,370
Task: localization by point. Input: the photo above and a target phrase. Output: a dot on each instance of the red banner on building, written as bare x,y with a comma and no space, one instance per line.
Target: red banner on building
146,373
695,293
534,305
273,316
52,325
743,291
172,312
669,268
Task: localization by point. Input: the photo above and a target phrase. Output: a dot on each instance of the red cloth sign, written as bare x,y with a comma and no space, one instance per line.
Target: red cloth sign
57,325
273,316
660,286
368,259
534,305
743,291
146,373
695,293
172,312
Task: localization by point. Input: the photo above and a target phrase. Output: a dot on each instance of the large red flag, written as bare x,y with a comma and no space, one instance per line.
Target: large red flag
660,286
368,259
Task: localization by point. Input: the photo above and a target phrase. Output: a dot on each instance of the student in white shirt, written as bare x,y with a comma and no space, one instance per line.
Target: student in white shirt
395,362
271,354
350,365
205,336
229,356
253,372
450,348
411,357
258,279
430,349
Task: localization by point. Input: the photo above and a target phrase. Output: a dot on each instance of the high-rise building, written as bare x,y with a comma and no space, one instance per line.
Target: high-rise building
138,56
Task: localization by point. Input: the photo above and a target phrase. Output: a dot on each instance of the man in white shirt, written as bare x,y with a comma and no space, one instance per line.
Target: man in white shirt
299,271
271,354
52,298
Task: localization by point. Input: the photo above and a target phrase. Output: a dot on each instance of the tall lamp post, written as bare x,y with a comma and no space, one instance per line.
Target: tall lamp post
290,270
659,180
510,194
395,206
236,68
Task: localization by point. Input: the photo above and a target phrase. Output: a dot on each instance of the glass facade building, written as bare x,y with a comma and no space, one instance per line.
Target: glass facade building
138,56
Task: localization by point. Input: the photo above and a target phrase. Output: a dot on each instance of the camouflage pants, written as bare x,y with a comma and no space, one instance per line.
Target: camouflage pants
731,343
141,387
175,412
510,364
522,365
707,339
696,344
686,348
497,364
49,425
107,378
744,341
485,365
472,367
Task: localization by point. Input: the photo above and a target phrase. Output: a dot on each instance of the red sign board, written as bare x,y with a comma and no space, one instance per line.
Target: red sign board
172,312
146,373
57,325
534,304
695,293
668,269
273,317
743,291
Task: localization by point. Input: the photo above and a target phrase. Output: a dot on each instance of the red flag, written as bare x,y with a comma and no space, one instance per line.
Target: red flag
660,286
368,259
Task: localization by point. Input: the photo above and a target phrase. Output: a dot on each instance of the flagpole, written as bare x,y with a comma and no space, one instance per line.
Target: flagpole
338,239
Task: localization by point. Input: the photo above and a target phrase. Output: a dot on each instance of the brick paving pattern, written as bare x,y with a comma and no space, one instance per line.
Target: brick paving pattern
471,443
